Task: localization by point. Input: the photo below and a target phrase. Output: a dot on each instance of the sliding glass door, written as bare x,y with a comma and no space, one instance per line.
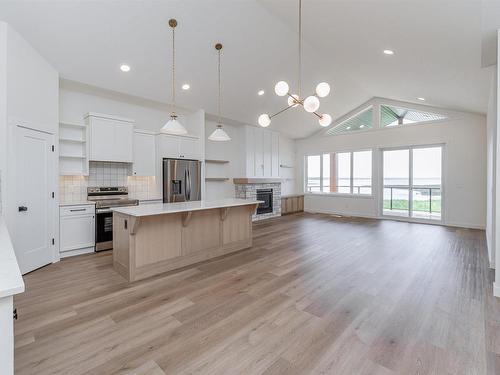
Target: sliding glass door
412,179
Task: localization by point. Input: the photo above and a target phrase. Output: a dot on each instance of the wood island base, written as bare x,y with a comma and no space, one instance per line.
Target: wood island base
144,246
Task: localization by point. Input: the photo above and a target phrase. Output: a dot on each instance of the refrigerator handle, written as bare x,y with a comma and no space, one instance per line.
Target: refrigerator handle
188,185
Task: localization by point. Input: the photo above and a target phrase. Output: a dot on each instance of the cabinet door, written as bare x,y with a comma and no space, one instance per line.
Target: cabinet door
102,134
123,142
267,152
144,154
77,232
250,151
168,146
259,152
275,155
189,148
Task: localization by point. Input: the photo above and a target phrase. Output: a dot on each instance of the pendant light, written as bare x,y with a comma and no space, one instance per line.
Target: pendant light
311,103
173,126
219,135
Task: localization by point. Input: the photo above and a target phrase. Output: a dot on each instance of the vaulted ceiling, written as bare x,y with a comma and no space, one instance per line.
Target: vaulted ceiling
437,45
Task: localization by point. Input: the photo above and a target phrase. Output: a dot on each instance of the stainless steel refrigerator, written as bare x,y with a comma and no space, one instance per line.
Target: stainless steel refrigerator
181,180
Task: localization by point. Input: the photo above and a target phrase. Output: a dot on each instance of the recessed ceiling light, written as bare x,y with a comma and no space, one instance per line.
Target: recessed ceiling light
125,68
362,126
348,128
186,86
421,99
388,52
261,92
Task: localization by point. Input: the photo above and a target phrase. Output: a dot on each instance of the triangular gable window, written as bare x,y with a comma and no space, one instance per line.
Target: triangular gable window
395,116
361,121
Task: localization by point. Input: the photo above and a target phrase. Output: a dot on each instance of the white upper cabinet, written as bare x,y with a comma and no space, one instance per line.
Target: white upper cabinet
190,148
179,147
111,138
144,153
262,152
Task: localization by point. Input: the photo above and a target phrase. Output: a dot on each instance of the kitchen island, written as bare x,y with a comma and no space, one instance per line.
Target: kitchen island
155,238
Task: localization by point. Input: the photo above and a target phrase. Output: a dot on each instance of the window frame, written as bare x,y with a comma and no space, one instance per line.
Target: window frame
351,194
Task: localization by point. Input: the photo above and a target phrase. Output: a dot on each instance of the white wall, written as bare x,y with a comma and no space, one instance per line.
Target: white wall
3,113
491,139
29,95
76,100
464,169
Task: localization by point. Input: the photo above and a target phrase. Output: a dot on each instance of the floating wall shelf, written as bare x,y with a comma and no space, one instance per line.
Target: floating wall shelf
216,179
215,161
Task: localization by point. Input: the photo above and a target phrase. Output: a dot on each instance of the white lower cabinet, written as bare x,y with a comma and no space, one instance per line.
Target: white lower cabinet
77,230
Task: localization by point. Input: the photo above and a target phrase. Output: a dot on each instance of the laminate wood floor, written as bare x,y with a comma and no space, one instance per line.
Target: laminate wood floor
315,295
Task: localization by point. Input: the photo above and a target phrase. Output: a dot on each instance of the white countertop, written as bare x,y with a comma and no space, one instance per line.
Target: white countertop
11,281
172,208
75,203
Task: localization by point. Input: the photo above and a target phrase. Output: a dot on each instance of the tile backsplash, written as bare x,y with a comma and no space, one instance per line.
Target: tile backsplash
74,188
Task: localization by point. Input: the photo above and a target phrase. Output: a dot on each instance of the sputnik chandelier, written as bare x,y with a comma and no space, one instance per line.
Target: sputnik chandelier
311,103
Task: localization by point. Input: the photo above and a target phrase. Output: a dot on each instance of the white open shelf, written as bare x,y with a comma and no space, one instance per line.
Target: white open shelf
216,161
73,149
216,178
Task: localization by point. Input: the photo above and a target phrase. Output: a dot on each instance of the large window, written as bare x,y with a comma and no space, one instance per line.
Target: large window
340,172
412,182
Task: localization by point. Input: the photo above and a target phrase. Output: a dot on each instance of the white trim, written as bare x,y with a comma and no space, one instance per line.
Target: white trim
376,102
395,218
70,253
340,195
410,186
108,117
496,289
340,213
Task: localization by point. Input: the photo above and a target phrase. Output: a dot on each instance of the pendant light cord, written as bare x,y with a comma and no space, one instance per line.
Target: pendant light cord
220,91
300,47
173,71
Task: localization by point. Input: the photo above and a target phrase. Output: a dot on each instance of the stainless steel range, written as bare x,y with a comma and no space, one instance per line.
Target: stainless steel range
105,199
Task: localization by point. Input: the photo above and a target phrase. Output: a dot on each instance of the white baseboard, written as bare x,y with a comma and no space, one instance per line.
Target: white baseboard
71,253
349,214
464,225
496,290
354,214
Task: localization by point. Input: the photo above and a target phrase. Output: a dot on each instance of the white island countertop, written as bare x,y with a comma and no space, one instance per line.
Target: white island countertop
11,281
172,208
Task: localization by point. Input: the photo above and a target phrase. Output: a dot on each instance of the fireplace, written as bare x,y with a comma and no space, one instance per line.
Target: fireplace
265,190
265,195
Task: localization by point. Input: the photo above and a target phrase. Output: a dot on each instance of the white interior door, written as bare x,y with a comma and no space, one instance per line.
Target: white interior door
34,211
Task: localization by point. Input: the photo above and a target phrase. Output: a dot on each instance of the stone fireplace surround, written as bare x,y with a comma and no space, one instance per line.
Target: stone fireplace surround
248,190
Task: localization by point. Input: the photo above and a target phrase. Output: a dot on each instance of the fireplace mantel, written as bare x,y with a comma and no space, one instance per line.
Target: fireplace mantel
256,180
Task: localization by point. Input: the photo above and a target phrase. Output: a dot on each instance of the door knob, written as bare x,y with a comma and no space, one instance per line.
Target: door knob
22,208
